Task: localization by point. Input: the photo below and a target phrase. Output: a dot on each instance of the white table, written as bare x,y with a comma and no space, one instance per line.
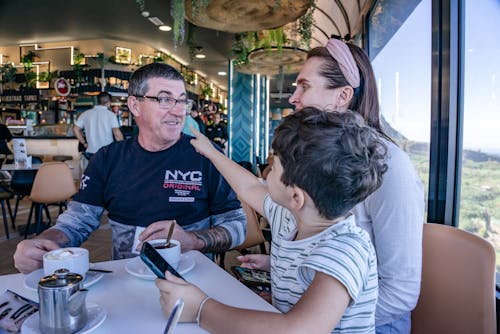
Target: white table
13,167
132,304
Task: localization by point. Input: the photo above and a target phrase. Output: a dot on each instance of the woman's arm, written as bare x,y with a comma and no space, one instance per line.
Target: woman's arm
319,309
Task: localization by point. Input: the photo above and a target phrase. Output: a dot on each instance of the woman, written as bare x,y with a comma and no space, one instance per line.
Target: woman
339,77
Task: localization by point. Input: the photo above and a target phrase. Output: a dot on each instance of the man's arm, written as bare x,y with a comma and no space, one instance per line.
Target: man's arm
228,232
79,135
72,229
78,222
117,133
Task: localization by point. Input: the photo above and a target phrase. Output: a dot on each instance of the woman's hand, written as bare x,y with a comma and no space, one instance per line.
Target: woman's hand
173,288
255,261
202,144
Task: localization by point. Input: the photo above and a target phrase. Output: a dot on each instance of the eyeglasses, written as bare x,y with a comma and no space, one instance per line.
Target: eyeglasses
168,102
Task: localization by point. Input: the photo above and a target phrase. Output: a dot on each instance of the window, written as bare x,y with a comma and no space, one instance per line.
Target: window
480,186
400,50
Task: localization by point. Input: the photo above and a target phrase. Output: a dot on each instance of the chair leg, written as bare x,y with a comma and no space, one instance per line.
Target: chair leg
18,198
263,248
39,215
47,213
5,222
26,230
10,214
222,256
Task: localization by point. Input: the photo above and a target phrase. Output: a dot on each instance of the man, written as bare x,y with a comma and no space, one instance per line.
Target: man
196,116
100,125
217,132
190,122
152,181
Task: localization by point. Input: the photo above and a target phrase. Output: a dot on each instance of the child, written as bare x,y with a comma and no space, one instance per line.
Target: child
323,267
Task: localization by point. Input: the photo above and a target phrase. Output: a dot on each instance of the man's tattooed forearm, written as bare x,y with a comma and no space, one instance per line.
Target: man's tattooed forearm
217,239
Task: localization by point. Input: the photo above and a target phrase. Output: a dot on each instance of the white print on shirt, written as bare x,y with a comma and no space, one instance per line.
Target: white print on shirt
190,180
181,199
83,183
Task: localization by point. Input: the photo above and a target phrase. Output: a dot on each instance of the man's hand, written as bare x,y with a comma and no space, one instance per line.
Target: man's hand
159,230
29,254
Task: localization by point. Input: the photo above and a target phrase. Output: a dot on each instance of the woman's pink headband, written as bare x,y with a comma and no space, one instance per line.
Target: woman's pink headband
342,54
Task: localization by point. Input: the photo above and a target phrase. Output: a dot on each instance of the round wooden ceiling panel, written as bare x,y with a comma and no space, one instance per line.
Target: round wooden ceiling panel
246,15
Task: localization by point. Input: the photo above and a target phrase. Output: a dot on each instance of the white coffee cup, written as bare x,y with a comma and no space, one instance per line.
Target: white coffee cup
75,259
171,254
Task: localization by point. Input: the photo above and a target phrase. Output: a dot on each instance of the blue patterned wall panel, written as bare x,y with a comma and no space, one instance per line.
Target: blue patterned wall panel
241,124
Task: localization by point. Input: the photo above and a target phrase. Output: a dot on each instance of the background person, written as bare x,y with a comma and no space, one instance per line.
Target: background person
100,125
323,266
217,131
148,181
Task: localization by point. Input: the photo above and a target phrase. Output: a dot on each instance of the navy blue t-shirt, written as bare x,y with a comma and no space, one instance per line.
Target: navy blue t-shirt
139,187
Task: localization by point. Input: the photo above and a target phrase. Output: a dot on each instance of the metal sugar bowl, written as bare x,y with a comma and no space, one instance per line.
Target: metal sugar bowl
62,303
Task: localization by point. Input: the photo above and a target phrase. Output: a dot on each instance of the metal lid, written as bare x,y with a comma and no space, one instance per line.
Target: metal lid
60,278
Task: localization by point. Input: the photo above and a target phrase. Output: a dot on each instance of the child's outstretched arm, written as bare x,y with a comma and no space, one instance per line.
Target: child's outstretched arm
246,185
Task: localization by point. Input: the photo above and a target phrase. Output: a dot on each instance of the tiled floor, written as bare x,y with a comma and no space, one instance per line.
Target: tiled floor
99,243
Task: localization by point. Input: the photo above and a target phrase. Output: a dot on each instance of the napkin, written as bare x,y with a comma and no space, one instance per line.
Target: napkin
14,309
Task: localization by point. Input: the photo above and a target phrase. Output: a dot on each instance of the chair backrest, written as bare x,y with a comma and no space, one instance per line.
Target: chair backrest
53,183
254,233
458,283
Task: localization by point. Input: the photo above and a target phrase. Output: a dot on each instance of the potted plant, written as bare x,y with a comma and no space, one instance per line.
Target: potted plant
27,61
206,92
8,74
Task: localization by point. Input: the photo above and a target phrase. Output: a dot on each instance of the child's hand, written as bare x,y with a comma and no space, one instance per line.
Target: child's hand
201,143
173,288
255,261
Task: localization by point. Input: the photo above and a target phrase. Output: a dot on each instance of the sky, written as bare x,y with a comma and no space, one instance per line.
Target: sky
403,72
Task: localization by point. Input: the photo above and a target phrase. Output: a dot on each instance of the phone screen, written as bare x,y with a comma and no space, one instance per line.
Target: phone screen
252,276
155,261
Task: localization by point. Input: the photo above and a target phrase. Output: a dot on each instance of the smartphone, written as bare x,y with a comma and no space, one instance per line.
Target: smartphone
158,265
253,277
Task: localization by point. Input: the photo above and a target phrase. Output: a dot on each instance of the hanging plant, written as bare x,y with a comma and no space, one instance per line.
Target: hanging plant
245,43
177,12
306,23
142,4
198,5
207,91
190,41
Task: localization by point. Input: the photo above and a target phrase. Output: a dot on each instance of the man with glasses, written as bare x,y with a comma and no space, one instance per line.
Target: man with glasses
153,180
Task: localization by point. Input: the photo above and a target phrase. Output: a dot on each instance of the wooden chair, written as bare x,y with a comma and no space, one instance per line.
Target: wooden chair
254,234
53,184
458,283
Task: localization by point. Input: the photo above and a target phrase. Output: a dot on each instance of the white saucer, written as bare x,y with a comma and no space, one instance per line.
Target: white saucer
96,316
31,280
137,268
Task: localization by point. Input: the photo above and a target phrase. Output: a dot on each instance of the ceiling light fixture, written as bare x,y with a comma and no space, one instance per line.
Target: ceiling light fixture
165,28
199,52
294,84
145,13
156,21
221,73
